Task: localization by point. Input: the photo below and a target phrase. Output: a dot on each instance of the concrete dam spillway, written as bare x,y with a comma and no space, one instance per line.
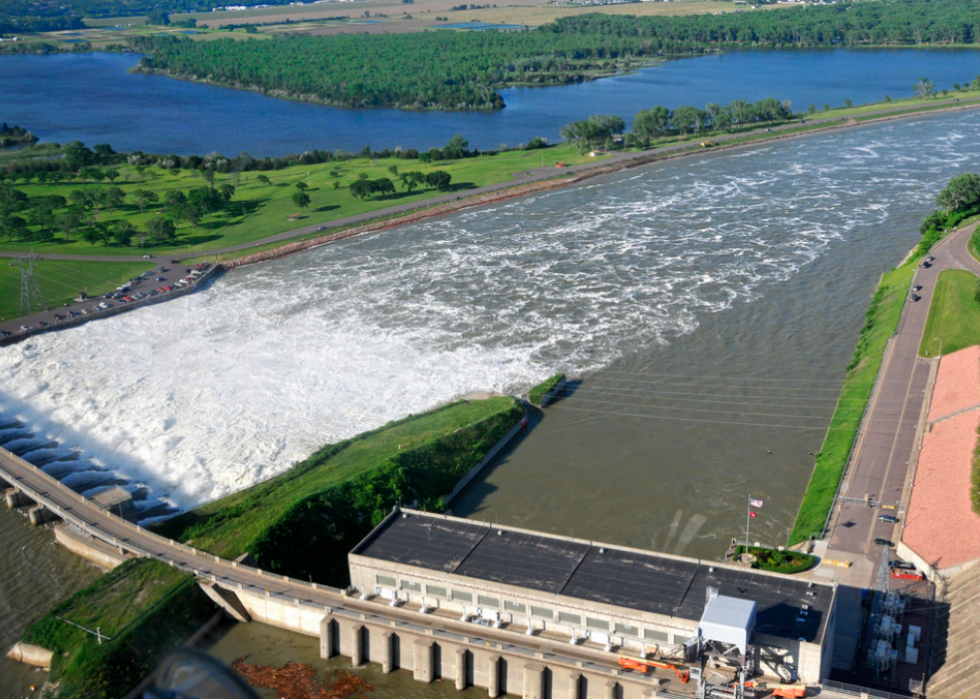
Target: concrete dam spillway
678,292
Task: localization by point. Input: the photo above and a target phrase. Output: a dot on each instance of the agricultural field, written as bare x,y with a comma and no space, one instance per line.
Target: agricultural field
389,15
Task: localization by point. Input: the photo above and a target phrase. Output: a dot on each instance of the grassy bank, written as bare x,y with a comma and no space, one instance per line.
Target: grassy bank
60,281
303,522
881,321
954,316
145,608
536,394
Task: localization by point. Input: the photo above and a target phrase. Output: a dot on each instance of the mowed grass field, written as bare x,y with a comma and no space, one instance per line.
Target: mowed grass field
260,209
882,319
60,281
954,315
223,527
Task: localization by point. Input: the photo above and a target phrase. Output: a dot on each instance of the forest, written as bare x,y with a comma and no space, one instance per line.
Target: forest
463,70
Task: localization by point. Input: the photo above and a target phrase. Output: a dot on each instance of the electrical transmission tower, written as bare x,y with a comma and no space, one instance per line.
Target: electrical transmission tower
30,293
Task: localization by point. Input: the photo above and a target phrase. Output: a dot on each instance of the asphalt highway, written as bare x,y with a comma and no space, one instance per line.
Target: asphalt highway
882,462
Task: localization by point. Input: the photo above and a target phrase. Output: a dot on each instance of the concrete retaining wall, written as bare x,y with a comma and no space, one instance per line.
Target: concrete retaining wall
471,474
90,549
550,395
30,655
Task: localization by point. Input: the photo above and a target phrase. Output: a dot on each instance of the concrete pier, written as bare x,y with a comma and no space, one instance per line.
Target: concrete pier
328,647
575,685
40,515
99,553
612,689
424,664
357,645
388,659
15,498
533,681
493,682
461,668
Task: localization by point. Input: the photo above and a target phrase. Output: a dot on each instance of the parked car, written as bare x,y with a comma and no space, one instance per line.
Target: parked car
883,542
891,519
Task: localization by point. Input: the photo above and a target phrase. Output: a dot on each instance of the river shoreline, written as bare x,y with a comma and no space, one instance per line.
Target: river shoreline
378,221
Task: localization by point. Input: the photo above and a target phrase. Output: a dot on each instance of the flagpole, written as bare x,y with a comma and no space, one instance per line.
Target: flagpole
748,514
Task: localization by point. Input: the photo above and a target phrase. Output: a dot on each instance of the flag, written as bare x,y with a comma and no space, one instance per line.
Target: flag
751,514
755,503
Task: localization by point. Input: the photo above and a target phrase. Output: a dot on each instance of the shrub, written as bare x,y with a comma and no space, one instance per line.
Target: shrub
776,561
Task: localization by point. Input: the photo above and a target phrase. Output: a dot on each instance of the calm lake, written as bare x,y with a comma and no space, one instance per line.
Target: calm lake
92,98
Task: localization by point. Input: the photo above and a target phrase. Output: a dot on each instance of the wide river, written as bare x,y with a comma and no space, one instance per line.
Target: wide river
92,98
707,307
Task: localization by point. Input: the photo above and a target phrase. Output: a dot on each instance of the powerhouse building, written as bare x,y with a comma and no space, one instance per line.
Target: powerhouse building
623,599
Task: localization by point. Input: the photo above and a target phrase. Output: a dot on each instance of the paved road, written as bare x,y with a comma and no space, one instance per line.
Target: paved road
881,464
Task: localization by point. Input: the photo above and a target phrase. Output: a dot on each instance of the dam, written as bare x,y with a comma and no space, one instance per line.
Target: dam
432,595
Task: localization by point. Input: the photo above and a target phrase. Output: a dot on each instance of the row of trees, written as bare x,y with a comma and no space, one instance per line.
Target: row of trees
383,186
660,122
463,70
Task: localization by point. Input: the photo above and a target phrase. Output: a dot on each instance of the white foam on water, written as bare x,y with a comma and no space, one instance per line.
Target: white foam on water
209,393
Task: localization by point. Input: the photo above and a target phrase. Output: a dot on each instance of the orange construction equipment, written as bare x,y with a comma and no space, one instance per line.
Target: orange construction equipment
645,665
791,691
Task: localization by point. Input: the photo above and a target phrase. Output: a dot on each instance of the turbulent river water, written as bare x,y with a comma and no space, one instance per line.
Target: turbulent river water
706,309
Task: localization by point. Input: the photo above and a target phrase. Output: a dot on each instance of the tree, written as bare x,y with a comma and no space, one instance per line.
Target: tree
157,16
361,188
71,221
176,202
439,179
111,175
923,88
685,119
227,191
649,124
114,197
962,192
456,148
263,179
91,235
301,199
302,186
122,233
592,132
162,231
383,186
411,180
144,198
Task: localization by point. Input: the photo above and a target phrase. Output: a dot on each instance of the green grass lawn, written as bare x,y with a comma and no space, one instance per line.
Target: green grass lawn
226,525
144,607
259,210
954,316
882,319
60,281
